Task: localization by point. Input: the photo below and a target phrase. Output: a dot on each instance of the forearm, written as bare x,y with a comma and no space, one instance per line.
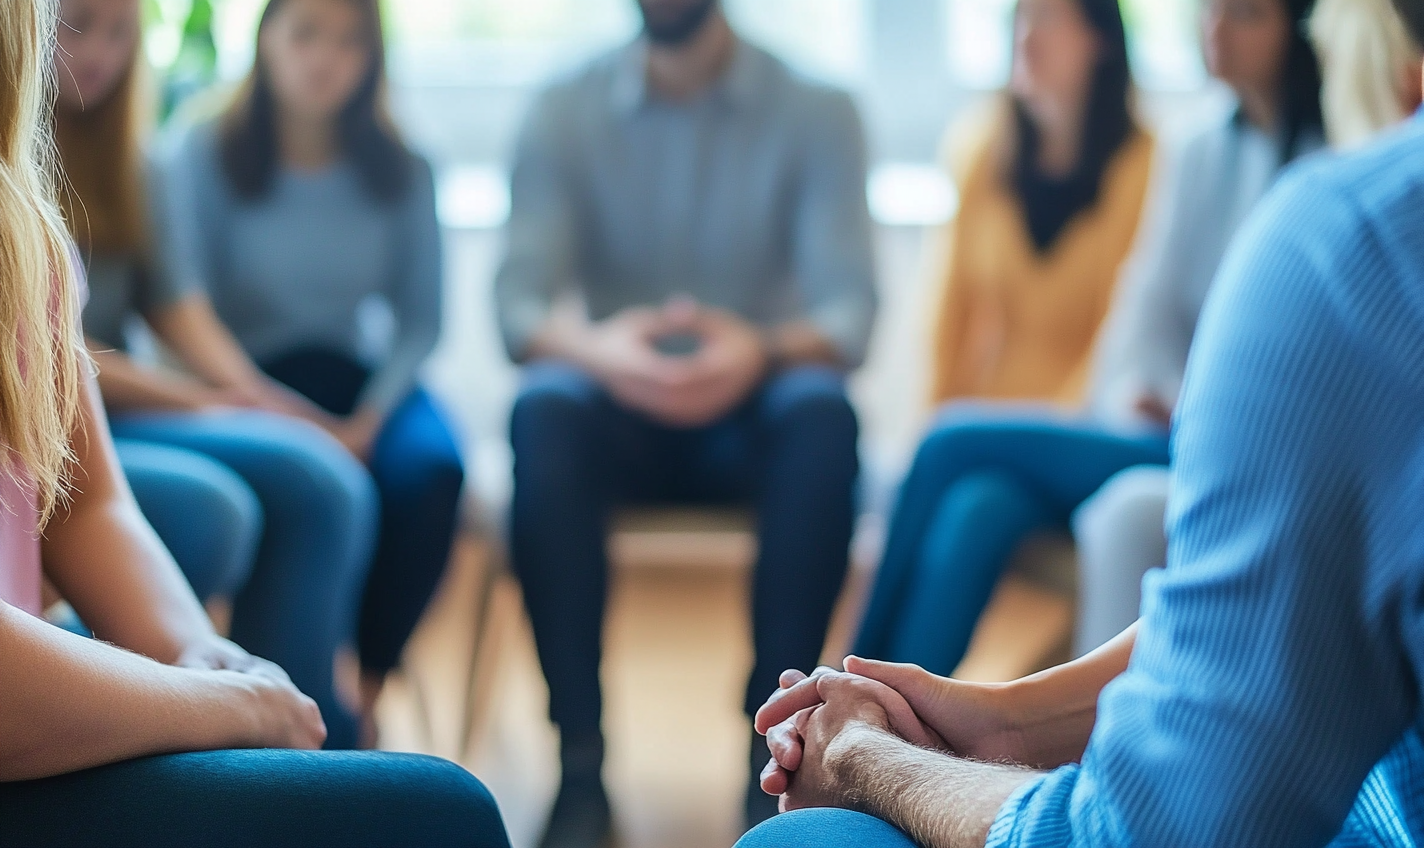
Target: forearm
111,566
393,382
128,387
938,800
565,334
801,343
196,335
71,703
1053,712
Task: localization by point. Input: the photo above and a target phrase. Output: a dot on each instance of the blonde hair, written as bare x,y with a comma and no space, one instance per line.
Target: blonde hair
101,150
1367,55
42,355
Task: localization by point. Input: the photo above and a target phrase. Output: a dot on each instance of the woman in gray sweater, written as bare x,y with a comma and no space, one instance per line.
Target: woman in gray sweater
310,224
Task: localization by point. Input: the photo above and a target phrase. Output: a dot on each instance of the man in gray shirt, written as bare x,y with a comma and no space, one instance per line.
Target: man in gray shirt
708,209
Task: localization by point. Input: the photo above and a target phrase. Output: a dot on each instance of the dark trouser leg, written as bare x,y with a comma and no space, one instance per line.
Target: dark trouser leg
417,468
806,516
255,798
807,434
562,496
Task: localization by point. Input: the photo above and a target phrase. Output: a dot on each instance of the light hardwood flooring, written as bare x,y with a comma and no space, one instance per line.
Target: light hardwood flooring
677,652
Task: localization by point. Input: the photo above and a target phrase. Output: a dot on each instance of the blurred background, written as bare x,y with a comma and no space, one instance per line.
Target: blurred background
463,73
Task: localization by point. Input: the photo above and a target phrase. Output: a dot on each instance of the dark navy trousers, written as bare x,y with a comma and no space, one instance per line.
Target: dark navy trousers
255,799
789,452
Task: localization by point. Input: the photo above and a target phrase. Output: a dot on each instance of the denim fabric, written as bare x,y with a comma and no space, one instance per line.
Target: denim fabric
255,799
824,828
984,479
318,516
418,471
790,451
205,513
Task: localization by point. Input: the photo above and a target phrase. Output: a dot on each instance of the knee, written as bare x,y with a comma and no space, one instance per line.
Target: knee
957,437
811,398
982,496
315,471
459,801
824,828
551,421
236,523
552,395
421,465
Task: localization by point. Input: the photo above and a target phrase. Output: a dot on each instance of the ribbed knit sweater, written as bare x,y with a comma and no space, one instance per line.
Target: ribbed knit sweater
1274,694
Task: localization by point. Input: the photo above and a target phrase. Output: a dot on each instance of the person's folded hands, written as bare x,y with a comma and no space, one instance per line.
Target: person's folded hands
975,720
808,713
730,362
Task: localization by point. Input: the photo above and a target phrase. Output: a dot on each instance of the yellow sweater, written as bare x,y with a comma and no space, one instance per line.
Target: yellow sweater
1014,324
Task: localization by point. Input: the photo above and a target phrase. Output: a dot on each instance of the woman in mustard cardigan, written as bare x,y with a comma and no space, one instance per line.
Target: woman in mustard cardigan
1051,193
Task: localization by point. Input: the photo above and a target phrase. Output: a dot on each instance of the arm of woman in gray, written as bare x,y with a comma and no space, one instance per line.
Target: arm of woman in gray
414,293
833,252
189,213
540,239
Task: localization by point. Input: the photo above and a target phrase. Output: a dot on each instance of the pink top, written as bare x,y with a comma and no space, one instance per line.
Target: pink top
19,546
20,569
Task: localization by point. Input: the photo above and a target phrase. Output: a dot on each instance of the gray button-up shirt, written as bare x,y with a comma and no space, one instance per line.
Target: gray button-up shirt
750,197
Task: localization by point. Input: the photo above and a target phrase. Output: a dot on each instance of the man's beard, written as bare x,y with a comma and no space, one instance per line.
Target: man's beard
674,28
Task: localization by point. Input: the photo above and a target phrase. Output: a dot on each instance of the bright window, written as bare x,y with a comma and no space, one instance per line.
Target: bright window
1162,38
521,41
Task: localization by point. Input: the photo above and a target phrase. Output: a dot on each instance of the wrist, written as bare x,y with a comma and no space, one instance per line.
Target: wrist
229,710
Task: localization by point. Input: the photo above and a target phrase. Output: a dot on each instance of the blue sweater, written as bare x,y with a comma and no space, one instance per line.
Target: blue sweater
1274,694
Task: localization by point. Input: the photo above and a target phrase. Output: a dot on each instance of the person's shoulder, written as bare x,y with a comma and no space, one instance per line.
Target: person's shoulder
421,171
977,140
197,144
788,88
1379,187
1345,228
1138,151
580,81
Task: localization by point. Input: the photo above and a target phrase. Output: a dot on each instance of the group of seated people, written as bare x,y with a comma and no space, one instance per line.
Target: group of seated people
213,422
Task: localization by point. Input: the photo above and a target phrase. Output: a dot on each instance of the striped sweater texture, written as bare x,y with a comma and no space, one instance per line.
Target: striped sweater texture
1274,697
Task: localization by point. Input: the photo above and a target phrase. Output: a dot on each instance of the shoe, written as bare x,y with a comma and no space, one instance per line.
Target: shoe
759,806
582,816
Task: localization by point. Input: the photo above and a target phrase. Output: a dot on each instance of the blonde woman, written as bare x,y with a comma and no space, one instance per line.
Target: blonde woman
1371,68
82,722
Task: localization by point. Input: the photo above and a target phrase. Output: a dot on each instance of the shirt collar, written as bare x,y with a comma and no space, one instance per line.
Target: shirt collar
739,85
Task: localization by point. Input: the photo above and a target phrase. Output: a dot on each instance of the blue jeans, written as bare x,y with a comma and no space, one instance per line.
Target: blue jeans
318,510
418,471
255,798
790,450
824,828
983,480
205,513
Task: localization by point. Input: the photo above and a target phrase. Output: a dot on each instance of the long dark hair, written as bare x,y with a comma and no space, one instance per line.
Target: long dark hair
366,131
1107,120
1300,84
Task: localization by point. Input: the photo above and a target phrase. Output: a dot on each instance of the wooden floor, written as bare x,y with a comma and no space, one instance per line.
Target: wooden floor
677,654
676,659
